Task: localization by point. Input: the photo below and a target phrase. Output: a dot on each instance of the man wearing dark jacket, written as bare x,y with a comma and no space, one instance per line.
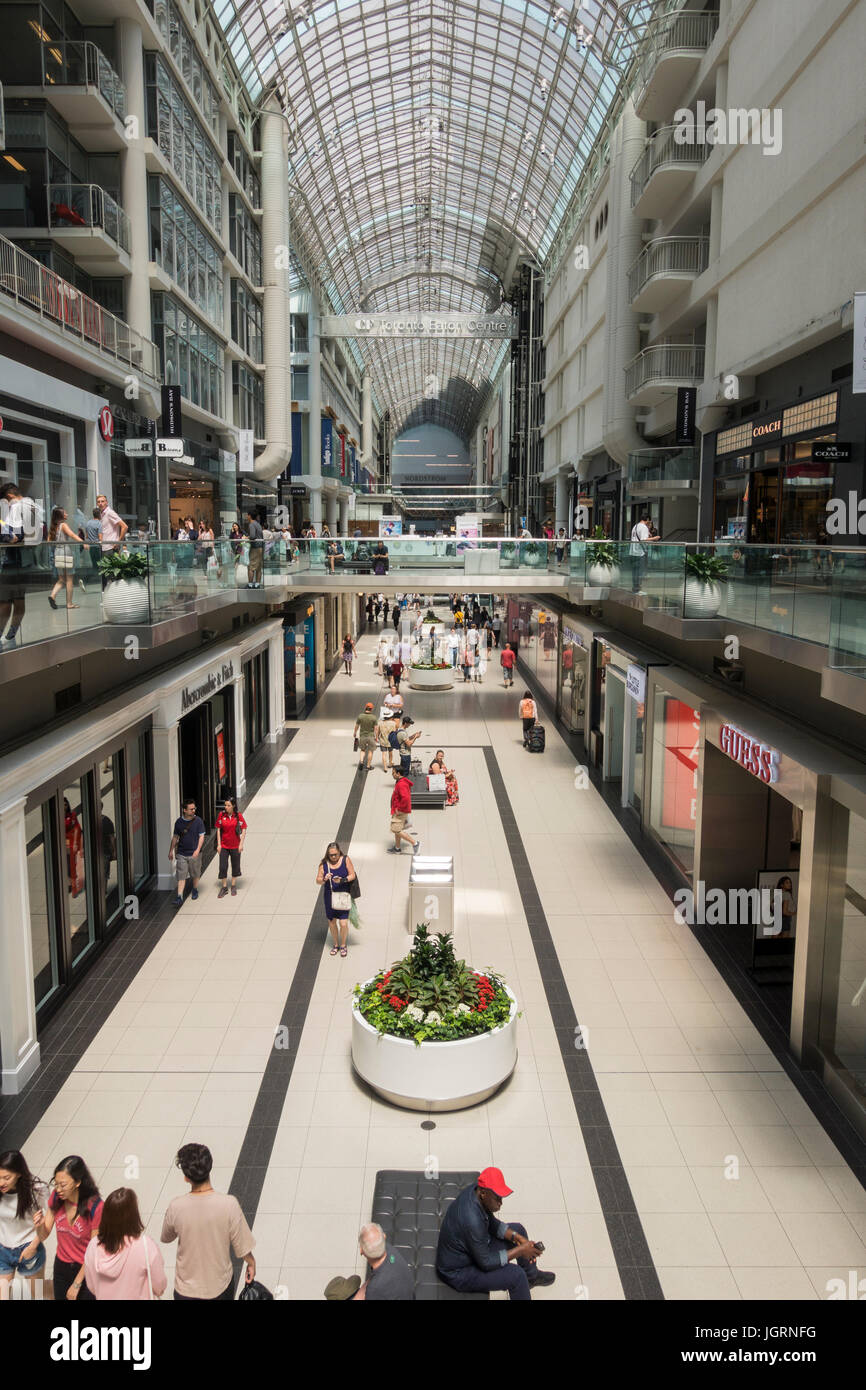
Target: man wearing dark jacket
478,1253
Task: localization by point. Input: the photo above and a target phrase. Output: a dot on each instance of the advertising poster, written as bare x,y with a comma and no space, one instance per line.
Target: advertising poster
682,726
221,755
389,526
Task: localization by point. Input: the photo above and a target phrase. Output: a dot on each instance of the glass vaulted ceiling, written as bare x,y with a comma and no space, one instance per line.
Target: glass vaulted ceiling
433,142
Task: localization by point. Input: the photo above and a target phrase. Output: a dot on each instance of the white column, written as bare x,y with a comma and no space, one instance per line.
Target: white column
331,511
561,504
479,464
366,421
277,687
133,177
240,734
20,1050
344,516
314,462
167,793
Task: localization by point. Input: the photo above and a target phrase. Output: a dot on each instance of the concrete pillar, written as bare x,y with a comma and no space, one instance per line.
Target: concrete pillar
18,1045
314,462
366,421
479,464
240,733
331,513
167,794
133,176
561,504
344,516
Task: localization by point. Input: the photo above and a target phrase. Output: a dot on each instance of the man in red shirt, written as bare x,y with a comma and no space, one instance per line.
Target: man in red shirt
401,807
231,832
396,672
508,658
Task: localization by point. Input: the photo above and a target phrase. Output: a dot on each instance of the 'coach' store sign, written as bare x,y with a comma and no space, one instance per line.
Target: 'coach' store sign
192,695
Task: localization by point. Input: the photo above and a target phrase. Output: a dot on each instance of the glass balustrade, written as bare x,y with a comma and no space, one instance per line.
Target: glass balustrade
814,593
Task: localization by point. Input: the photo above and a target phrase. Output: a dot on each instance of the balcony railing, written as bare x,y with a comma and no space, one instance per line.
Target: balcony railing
666,362
663,466
71,64
670,255
687,30
87,205
301,345
664,148
34,287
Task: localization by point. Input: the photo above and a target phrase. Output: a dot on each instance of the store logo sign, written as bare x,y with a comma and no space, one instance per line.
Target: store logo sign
106,423
193,695
635,683
755,757
762,431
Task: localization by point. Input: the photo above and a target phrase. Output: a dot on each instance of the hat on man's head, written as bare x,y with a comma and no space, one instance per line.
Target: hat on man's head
341,1287
493,1181
369,705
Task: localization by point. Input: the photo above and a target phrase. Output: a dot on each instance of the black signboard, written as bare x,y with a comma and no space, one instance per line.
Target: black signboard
172,423
687,405
297,491
832,453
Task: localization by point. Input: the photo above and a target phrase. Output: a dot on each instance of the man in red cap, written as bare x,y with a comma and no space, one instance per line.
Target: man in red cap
478,1253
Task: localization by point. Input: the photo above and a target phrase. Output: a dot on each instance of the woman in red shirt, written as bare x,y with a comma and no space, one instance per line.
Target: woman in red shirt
231,831
74,1211
401,806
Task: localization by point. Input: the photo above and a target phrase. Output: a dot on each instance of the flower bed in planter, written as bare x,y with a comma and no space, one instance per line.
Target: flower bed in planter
424,676
431,1033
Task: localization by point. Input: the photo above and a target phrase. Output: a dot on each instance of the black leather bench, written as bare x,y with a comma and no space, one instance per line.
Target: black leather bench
410,1207
424,800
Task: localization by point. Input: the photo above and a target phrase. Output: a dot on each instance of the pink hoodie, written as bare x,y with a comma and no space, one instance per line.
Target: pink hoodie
124,1275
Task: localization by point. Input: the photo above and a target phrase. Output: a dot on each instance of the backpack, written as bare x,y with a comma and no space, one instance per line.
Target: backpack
394,741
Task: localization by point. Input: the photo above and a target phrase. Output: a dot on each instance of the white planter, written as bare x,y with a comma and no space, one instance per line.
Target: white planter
435,1075
603,576
242,576
702,600
431,679
126,601
480,562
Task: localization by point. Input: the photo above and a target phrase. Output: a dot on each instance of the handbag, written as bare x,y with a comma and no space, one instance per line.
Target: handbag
341,901
354,888
355,745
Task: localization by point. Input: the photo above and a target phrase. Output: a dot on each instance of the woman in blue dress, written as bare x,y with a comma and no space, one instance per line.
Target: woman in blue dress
336,869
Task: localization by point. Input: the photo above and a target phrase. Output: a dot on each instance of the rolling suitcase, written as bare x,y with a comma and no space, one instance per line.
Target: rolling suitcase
535,739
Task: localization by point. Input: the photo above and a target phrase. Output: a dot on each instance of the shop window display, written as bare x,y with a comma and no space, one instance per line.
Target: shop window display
843,1004
674,794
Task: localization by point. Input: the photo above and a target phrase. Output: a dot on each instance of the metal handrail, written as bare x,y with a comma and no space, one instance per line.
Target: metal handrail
69,63
668,255
87,205
664,148
665,362
56,301
685,29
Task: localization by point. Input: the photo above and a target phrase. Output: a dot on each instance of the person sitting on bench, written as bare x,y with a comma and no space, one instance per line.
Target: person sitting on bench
334,554
380,558
452,791
477,1253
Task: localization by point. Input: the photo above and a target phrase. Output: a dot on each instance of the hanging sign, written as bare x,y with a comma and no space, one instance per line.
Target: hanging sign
106,423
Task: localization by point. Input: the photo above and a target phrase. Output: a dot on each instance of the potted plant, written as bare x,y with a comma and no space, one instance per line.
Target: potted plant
125,598
602,570
431,675
431,1032
531,553
507,555
703,592
431,617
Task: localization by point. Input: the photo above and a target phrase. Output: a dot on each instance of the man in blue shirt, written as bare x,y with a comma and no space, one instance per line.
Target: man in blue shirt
478,1253
186,842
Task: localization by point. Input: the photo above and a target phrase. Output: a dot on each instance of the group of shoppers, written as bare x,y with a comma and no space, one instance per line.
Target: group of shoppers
103,1251
188,837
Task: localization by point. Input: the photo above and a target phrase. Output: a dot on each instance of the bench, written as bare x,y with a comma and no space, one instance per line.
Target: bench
410,1207
424,800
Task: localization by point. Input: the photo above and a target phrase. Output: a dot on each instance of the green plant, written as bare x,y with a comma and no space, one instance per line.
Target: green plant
430,995
430,665
603,554
706,569
431,616
124,564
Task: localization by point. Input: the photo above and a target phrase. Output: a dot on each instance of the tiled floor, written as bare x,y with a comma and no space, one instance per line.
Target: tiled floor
739,1191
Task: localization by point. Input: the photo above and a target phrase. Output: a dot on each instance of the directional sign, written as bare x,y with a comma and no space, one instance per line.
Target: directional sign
169,448
497,327
138,448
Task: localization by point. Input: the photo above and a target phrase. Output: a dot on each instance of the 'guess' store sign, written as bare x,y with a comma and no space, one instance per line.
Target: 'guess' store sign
755,757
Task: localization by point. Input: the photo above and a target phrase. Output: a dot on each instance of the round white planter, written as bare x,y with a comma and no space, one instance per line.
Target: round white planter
603,576
702,600
126,601
431,679
242,576
434,1075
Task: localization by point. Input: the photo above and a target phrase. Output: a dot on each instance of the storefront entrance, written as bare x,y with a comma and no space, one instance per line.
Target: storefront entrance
206,742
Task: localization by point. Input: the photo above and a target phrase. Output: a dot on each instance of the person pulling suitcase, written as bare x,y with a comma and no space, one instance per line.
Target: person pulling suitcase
529,714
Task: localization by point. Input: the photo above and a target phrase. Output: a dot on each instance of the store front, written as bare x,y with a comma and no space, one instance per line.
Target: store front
571,704
45,453
533,630
773,479
89,852
256,702
617,733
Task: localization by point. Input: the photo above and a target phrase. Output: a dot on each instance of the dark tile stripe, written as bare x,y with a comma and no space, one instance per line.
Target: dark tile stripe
631,1251
70,1031
255,1155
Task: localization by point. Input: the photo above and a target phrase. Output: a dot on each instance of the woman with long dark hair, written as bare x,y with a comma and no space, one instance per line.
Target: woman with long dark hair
336,872
74,1210
123,1262
22,1195
60,534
